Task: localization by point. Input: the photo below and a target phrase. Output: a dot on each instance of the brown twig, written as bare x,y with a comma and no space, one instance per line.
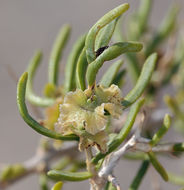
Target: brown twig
34,165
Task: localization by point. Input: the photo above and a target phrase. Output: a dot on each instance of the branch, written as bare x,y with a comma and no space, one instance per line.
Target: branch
135,143
111,161
41,161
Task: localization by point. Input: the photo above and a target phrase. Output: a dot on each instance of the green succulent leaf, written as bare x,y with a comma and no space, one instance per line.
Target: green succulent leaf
110,53
138,22
136,156
34,99
175,108
70,69
176,179
21,90
142,82
82,65
143,15
139,176
178,147
12,171
105,34
49,90
69,176
160,133
56,53
156,164
106,19
43,181
58,186
164,30
177,62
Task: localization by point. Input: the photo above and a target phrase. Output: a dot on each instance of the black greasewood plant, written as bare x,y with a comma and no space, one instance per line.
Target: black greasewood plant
95,116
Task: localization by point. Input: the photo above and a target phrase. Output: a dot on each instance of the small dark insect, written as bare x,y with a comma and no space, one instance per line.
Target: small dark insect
106,112
100,50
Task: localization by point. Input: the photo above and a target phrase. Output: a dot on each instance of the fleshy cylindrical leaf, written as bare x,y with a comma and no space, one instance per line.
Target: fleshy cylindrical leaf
156,164
21,90
160,133
106,19
82,65
56,53
69,176
142,82
139,176
110,53
30,95
70,69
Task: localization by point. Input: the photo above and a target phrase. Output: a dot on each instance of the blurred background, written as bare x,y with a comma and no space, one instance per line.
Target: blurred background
26,26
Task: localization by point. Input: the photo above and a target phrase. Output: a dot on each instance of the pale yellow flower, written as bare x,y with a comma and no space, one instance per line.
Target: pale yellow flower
88,111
